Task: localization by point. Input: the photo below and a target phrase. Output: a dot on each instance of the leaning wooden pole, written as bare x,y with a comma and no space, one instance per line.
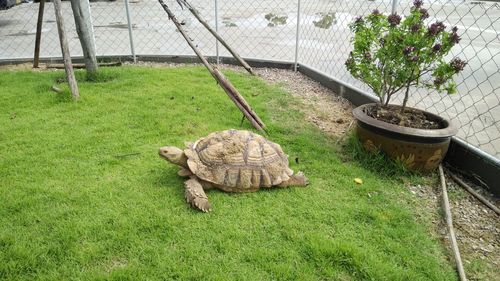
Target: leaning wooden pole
65,51
451,231
38,38
219,38
230,90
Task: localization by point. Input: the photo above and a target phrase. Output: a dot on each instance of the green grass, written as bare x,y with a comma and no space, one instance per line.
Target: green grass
85,196
375,161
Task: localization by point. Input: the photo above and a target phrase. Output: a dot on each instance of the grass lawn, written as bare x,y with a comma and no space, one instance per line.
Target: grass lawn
84,195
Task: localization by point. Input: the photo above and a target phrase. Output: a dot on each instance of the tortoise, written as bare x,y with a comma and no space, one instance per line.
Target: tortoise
232,161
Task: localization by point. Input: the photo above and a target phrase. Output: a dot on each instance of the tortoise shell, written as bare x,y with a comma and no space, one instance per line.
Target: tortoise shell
238,161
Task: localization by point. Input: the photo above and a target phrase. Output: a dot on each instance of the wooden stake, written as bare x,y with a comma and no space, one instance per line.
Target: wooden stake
449,222
38,38
230,90
219,38
65,50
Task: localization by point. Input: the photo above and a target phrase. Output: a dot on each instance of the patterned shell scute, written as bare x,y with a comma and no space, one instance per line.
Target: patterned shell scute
238,161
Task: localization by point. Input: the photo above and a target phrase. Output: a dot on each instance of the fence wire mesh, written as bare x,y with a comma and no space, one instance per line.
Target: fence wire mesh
259,29
265,29
18,29
155,34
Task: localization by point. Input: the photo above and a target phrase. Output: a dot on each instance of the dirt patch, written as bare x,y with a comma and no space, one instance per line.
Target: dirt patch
28,66
332,114
21,66
115,264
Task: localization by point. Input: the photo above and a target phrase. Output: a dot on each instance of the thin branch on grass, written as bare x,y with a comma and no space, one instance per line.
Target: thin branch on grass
127,154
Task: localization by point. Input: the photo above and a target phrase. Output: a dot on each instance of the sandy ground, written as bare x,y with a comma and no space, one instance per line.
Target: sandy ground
330,113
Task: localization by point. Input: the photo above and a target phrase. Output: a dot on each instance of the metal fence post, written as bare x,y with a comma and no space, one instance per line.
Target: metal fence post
216,30
394,6
297,35
129,23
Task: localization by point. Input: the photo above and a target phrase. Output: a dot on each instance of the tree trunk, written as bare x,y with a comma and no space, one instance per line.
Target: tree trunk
405,100
85,30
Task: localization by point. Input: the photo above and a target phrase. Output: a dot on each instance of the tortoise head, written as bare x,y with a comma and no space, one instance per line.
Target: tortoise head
174,155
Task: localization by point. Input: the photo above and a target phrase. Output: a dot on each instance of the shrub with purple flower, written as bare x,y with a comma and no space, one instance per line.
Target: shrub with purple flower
392,54
435,28
408,50
437,47
415,28
457,64
394,19
454,38
424,14
438,81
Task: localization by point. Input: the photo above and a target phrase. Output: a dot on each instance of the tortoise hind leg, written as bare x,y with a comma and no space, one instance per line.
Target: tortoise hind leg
196,196
297,179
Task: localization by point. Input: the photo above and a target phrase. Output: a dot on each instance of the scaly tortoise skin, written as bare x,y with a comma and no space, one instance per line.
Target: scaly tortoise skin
232,161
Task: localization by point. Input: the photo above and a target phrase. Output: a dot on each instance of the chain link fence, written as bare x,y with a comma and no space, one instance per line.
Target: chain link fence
265,29
476,107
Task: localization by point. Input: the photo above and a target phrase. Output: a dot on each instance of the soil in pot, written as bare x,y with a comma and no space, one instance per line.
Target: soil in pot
410,118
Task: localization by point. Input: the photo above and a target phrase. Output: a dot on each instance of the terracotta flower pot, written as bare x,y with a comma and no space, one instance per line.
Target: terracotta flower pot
418,149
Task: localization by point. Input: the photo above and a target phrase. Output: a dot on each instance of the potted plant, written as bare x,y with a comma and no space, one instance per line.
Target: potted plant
393,55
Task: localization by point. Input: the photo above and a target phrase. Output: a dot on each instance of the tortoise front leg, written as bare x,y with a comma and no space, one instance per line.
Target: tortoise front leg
297,179
196,196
